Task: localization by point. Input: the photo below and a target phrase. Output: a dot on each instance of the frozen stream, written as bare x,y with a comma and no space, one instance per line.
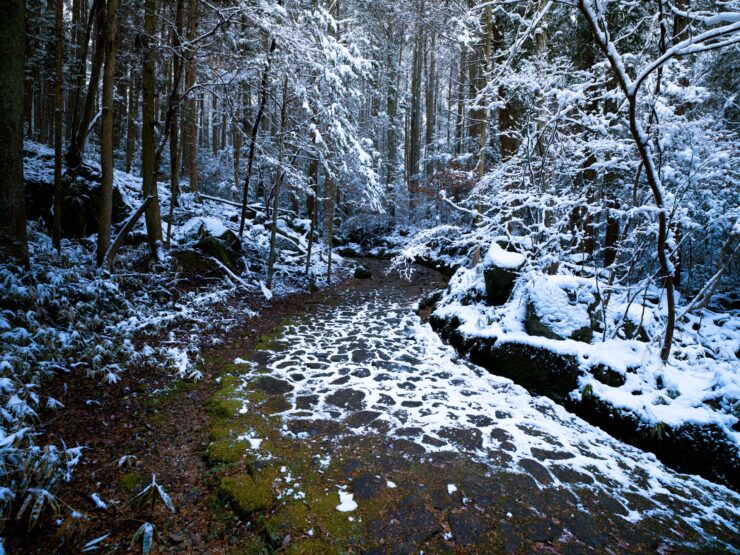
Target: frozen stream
367,360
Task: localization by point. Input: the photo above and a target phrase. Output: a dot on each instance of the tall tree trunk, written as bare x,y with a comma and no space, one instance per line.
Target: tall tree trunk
431,118
58,107
264,91
81,63
77,145
483,112
278,182
611,234
330,197
414,138
174,113
148,143
132,115
312,207
192,121
13,239
106,140
680,23
392,142
460,113
474,87
483,123
236,148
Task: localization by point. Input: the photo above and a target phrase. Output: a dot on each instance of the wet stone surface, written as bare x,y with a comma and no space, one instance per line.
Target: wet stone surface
442,456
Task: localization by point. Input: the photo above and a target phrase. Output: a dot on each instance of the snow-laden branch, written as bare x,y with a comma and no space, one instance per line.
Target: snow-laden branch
693,45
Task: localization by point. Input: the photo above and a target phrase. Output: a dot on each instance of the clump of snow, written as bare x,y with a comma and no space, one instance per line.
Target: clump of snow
501,258
346,502
194,226
561,302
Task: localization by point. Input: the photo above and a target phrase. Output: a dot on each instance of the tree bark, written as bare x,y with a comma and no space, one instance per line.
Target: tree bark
58,107
131,116
192,123
236,147
106,140
264,91
414,137
278,183
431,116
77,145
13,238
460,113
148,143
174,113
330,194
312,207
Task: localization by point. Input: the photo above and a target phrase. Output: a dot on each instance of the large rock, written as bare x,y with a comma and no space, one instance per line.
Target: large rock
562,307
80,205
538,369
714,455
214,239
362,272
501,269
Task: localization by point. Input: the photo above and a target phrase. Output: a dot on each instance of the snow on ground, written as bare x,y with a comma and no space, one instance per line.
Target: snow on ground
64,316
700,384
369,360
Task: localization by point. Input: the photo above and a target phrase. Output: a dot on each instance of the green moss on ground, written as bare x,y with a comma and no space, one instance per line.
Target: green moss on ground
245,494
132,482
227,451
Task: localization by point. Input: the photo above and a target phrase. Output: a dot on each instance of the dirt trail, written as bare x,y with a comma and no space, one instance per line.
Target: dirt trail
352,403
356,397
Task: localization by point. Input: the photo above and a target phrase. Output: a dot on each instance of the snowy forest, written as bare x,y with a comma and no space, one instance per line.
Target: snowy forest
369,276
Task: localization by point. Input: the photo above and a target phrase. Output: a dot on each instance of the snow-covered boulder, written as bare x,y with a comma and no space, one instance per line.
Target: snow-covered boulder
350,250
562,307
213,238
501,269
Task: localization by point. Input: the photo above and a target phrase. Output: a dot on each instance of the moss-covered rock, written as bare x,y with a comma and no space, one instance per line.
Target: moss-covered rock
223,407
290,520
226,451
245,494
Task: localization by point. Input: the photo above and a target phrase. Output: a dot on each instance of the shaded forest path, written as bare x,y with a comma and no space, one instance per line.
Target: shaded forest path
348,393
357,397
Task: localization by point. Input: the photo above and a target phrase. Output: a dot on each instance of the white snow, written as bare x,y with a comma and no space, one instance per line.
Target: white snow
346,502
501,258
99,503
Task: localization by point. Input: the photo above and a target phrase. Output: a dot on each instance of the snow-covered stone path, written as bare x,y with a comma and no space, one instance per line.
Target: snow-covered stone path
368,361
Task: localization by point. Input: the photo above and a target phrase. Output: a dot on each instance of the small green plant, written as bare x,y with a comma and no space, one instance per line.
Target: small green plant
587,391
659,430
149,495
36,502
146,534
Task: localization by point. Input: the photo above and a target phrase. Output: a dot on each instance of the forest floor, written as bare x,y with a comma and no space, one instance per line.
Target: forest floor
340,422
149,424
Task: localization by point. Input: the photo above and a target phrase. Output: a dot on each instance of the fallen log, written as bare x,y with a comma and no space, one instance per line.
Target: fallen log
110,255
